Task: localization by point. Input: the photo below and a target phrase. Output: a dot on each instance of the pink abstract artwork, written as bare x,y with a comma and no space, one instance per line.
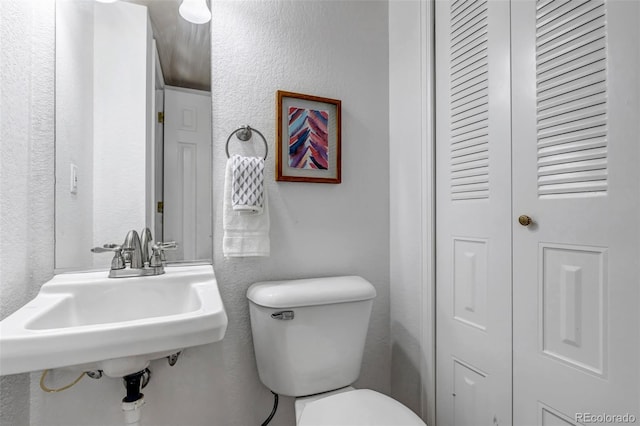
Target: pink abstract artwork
308,139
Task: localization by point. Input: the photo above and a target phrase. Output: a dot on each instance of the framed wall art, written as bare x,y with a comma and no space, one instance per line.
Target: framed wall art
308,138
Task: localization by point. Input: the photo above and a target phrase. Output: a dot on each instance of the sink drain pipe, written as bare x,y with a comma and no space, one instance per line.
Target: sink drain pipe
132,412
133,402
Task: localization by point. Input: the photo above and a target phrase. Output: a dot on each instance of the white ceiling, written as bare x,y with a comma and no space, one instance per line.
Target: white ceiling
184,48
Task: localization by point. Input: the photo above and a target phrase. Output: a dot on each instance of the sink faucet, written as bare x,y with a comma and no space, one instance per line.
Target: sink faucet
145,239
133,259
133,250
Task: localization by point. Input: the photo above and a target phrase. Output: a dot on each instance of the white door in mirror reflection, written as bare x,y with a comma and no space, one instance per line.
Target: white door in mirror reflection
187,173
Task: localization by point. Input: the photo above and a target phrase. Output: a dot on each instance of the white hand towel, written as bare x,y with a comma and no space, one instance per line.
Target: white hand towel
247,189
245,234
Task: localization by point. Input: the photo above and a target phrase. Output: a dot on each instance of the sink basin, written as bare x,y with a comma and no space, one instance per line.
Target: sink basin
87,321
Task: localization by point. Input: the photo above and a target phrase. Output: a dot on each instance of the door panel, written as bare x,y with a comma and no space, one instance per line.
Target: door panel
470,282
470,388
473,170
187,173
575,172
572,291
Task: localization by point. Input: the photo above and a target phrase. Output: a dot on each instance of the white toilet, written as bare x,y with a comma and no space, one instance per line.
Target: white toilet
308,337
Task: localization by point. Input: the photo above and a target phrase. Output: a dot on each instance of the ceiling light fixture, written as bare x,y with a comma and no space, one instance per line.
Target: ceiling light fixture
195,11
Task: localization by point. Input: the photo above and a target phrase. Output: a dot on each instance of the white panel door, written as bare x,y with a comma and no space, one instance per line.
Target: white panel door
473,250
575,173
187,173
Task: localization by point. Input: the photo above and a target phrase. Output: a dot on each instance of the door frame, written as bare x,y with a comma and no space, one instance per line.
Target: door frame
428,369
416,69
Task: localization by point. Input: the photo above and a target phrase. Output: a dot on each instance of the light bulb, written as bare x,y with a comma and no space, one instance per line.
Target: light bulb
195,11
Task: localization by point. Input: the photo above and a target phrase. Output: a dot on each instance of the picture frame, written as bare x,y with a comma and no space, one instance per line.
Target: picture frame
308,138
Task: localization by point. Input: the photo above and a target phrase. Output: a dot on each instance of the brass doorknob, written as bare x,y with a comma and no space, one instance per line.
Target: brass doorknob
525,220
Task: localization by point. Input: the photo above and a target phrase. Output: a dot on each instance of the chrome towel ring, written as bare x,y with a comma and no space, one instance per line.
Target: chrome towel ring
244,133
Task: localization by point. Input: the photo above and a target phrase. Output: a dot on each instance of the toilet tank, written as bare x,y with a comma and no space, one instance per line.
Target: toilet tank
309,334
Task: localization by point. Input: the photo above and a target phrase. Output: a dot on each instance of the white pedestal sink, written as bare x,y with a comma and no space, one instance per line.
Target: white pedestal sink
90,322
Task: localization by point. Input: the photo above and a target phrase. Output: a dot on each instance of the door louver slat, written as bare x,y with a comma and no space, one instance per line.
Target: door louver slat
571,97
469,104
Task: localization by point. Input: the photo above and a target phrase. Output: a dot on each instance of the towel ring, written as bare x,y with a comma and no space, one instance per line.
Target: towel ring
244,133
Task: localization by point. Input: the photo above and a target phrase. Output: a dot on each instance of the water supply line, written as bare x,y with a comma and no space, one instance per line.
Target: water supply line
50,390
132,402
273,411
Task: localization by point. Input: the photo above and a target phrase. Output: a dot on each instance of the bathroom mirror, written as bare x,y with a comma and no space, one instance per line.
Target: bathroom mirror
133,129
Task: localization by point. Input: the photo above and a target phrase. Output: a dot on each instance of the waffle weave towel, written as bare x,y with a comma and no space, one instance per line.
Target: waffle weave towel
246,233
247,189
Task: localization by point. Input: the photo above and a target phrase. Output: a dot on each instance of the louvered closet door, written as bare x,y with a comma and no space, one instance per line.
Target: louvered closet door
575,172
473,376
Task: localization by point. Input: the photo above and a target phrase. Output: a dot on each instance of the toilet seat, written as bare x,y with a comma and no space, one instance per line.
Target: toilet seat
360,407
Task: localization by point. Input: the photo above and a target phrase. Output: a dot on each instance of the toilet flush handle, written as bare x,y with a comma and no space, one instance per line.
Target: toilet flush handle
283,315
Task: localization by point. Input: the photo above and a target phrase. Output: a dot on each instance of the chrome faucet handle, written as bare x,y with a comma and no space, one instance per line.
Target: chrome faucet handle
156,260
145,239
167,245
107,248
118,260
157,257
133,250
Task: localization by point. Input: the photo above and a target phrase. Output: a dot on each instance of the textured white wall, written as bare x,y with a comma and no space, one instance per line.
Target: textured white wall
26,170
325,48
332,49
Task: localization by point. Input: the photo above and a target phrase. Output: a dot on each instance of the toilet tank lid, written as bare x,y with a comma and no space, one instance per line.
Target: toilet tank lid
310,292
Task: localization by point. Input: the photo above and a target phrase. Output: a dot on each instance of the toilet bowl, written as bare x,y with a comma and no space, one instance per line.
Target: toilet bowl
353,407
308,338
